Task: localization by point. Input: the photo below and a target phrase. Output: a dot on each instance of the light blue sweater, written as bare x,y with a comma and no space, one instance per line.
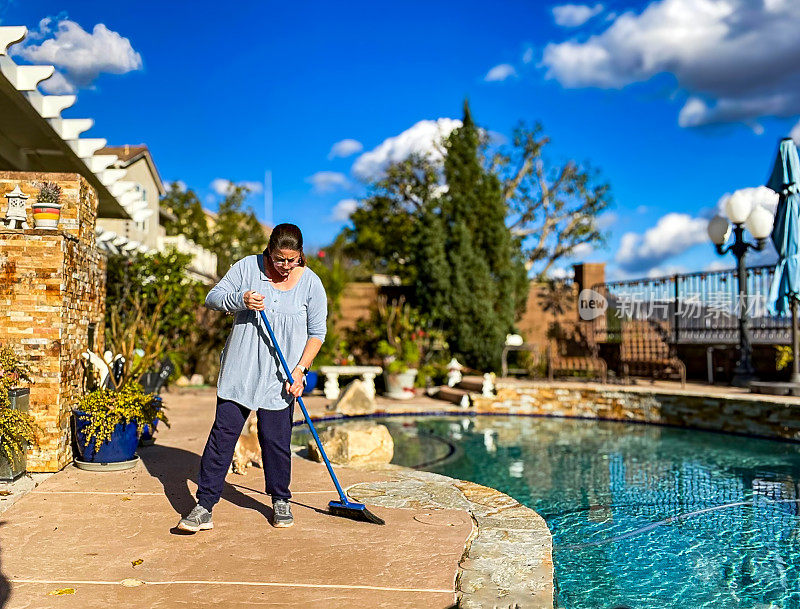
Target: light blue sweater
250,371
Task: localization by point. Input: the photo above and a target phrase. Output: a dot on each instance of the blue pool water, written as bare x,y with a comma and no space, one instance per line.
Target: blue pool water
641,516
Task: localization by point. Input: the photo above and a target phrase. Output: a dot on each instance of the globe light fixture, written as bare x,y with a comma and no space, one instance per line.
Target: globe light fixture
719,229
758,221
738,207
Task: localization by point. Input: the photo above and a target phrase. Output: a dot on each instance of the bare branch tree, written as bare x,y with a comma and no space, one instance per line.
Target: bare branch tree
553,208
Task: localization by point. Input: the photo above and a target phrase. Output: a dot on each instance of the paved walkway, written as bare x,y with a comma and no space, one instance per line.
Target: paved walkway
88,532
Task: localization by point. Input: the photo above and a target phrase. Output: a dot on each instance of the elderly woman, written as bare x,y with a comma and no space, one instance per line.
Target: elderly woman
279,283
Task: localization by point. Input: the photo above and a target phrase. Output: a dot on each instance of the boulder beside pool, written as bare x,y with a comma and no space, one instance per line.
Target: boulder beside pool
355,400
357,443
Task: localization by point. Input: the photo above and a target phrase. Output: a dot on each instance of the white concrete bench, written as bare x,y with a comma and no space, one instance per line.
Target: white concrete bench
332,374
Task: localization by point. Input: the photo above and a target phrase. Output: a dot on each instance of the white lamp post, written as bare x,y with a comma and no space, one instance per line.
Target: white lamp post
758,221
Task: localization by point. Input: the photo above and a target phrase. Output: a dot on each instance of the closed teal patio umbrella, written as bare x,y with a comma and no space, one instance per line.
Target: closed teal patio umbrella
785,289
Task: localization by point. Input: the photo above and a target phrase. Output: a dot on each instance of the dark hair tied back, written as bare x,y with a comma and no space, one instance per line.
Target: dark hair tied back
287,237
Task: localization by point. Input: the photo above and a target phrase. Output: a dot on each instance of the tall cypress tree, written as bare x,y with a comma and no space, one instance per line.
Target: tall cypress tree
469,269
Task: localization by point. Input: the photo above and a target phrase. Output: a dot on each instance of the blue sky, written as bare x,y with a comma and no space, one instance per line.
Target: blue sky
673,100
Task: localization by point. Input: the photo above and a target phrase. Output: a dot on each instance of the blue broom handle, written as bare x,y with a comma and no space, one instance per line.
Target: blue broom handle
342,496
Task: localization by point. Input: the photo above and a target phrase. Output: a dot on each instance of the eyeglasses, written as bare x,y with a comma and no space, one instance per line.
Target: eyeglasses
280,261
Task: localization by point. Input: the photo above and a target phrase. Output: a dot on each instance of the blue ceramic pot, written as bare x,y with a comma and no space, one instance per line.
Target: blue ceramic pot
150,428
148,431
311,381
121,446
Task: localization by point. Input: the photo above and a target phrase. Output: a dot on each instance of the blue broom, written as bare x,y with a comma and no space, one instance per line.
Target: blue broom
343,507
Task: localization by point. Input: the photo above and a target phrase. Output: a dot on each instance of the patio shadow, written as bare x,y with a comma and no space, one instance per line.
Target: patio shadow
175,467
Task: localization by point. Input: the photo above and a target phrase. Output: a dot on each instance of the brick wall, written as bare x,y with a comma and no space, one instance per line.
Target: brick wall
52,286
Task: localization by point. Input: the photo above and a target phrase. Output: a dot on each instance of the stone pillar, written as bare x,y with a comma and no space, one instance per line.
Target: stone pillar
52,287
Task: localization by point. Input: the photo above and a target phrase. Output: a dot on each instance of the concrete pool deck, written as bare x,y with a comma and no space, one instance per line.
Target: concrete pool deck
445,542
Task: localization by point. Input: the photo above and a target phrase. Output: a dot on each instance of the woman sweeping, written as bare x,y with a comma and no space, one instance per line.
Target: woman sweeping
250,378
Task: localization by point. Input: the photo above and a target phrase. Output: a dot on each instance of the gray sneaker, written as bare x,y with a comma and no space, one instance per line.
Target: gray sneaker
199,519
282,513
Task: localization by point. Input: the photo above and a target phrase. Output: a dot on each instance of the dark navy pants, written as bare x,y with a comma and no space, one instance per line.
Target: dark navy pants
274,437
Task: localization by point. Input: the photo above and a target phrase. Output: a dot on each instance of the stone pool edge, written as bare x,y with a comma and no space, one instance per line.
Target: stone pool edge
752,415
508,558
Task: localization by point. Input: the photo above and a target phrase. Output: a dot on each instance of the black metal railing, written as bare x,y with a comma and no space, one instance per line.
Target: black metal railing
694,308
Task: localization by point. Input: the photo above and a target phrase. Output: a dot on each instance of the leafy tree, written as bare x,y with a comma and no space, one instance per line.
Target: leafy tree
468,273
151,304
190,218
331,266
384,229
237,232
555,208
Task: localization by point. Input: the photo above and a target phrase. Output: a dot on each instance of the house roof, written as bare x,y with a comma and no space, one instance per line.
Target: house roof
130,153
35,137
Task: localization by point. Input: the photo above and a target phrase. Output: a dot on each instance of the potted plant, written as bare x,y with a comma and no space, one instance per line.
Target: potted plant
47,208
108,423
17,428
110,419
408,349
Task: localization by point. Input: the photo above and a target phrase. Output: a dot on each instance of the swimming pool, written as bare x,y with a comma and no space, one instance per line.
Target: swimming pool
641,516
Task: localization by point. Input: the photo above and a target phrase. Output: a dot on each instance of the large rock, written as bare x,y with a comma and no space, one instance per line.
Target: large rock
355,400
183,381
357,443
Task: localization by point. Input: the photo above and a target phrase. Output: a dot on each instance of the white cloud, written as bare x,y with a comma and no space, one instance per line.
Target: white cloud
720,264
255,188
559,273
180,185
58,84
607,220
574,15
736,60
345,148
642,209
423,138
500,73
80,56
673,234
343,209
666,271
527,57
328,181
222,187
496,138
581,251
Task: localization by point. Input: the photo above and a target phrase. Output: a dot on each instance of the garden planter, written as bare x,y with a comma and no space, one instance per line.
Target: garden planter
149,430
46,215
118,453
400,386
12,468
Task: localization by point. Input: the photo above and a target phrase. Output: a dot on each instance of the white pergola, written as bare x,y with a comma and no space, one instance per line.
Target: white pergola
34,137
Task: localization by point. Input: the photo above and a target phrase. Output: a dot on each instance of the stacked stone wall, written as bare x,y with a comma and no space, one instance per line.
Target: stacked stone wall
750,414
52,287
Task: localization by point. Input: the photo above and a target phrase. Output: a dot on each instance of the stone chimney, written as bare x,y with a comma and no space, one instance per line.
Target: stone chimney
588,274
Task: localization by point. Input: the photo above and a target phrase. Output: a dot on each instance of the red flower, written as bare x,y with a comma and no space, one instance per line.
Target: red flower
321,254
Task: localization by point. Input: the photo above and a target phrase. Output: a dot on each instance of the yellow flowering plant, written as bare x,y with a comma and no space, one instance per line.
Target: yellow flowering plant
103,409
16,427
